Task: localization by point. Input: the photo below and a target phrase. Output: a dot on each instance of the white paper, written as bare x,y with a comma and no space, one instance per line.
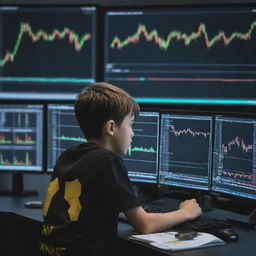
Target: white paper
167,241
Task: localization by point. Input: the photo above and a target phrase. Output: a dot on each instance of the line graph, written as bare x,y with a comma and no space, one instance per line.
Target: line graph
234,147
199,53
237,175
239,143
26,29
68,138
153,35
47,51
185,149
233,158
141,149
188,131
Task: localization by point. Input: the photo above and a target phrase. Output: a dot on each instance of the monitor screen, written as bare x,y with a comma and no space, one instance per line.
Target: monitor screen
234,162
183,55
185,151
46,52
141,159
63,131
21,138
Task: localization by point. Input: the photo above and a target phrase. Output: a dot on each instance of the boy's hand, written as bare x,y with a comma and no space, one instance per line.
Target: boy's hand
191,209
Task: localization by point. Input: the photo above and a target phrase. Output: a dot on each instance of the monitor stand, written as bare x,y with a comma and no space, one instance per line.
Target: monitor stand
204,200
237,217
145,192
237,210
203,197
18,188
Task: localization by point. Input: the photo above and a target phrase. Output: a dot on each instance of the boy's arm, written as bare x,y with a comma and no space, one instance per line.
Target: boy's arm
144,222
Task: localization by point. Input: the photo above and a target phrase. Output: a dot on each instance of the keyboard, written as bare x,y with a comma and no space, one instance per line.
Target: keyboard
203,224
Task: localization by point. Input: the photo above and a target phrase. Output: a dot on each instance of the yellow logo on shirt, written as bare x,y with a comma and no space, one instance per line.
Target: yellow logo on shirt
71,195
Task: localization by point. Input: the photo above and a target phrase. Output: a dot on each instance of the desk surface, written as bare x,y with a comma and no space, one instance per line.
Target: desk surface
245,246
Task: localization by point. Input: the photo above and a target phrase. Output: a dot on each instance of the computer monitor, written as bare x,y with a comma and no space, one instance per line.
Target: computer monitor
141,159
47,52
182,54
21,138
185,151
63,131
234,162
21,144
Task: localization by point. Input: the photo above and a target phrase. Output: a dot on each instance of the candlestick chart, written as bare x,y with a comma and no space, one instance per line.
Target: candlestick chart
193,53
44,50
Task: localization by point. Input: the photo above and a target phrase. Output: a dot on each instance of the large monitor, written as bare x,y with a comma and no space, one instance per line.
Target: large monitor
141,159
185,151
21,138
63,132
234,162
46,52
183,54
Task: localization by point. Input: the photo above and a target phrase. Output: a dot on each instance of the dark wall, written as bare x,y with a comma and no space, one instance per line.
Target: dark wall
123,2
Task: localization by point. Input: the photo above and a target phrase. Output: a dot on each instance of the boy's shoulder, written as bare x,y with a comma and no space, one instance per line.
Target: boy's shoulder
87,160
87,154
91,150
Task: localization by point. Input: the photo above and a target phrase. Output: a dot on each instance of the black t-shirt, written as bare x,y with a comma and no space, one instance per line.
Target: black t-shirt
88,188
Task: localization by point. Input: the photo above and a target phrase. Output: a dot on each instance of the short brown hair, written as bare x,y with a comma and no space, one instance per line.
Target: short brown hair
99,103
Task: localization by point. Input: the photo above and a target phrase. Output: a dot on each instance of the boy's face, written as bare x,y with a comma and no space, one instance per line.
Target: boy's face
123,134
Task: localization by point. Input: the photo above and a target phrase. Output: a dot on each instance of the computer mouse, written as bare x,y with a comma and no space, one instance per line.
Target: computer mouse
34,204
226,234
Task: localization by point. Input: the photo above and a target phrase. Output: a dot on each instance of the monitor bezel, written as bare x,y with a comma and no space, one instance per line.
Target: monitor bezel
180,188
178,101
44,136
14,96
236,115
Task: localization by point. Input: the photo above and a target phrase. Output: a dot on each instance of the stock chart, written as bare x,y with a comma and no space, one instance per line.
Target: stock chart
63,131
185,157
234,169
141,159
46,50
21,137
181,52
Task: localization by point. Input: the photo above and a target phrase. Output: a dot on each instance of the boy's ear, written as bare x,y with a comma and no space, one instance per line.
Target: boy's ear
110,127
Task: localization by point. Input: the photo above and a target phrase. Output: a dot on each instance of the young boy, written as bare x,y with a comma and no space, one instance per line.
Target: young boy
90,185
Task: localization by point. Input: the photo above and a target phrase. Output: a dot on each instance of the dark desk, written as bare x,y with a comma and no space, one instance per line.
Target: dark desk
16,205
245,246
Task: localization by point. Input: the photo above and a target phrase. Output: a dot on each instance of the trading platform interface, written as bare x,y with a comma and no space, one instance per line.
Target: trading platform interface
185,151
21,139
182,52
141,159
46,52
63,131
234,165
